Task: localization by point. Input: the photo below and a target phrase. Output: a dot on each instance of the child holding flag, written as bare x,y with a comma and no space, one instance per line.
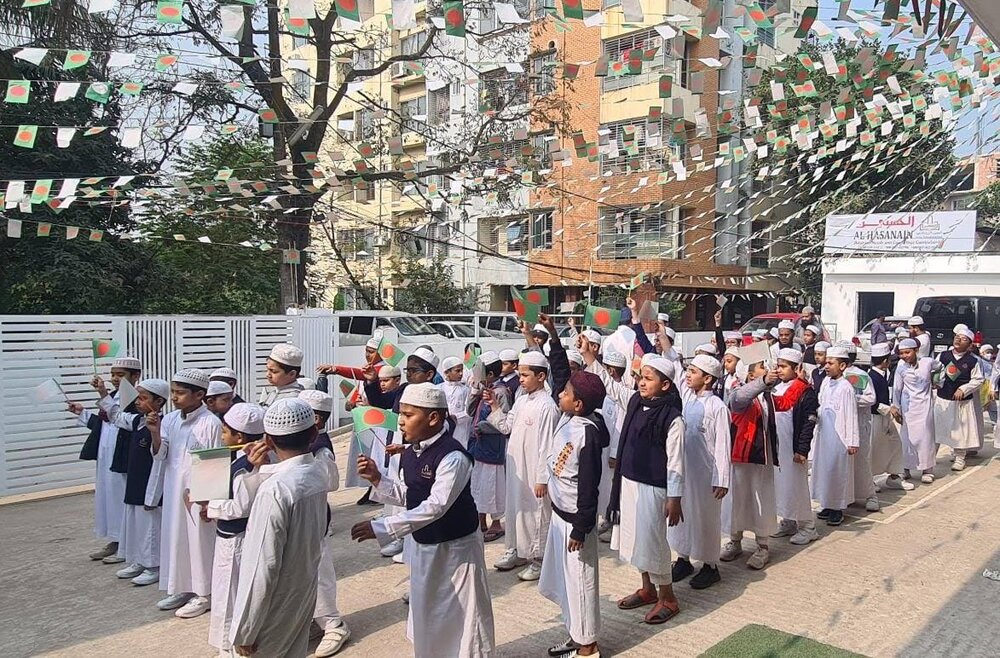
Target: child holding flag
488,446
458,393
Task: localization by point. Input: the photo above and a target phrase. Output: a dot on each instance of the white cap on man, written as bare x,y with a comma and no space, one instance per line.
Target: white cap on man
614,359
814,330
671,334
592,336
916,321
880,350
534,359
489,357
192,377
821,347
508,355
663,317
907,344
427,356
450,362
660,364
388,372
963,330
574,356
288,416
790,355
786,324
223,373
373,343
707,348
246,418
161,387
317,400
838,352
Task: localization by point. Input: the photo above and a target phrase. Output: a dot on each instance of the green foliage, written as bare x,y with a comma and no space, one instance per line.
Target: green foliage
987,205
431,289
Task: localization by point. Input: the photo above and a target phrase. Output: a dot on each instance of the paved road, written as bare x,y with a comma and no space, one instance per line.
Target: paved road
906,581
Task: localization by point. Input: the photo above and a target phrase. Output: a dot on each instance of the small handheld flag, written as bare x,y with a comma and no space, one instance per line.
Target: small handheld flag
389,352
605,318
471,356
105,349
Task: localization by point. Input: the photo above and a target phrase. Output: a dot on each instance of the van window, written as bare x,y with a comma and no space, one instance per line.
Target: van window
412,326
989,318
345,324
946,312
362,325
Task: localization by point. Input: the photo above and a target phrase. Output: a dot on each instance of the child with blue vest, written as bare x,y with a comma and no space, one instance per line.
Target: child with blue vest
488,446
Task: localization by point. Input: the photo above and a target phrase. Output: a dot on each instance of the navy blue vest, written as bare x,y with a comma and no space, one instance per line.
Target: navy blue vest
321,441
956,373
419,472
642,451
140,463
881,386
232,527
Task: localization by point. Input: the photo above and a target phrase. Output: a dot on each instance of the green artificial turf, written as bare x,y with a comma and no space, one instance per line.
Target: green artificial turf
756,641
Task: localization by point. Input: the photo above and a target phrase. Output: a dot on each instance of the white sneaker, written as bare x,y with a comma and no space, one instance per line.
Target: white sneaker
398,558
509,560
760,558
395,548
131,571
113,559
333,640
731,551
147,577
174,601
959,464
871,504
786,528
898,483
927,478
199,605
533,571
804,536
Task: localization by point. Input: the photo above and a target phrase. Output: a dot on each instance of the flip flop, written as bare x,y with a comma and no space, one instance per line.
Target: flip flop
637,599
493,535
661,613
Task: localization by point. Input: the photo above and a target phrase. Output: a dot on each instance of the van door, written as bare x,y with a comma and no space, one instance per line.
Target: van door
988,319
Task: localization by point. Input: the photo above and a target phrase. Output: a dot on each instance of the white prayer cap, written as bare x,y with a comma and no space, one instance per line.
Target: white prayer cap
615,359
388,372
733,351
372,343
160,387
508,355
821,346
915,321
224,373
708,365
790,355
317,400
661,364
218,388
731,335
592,336
307,383
246,418
489,358
127,362
759,333
907,344
191,376
574,356
427,396
287,354
986,347
902,332
663,317
960,325
671,334
786,324
427,356
708,348
450,362
814,330
808,309
533,358
288,416
541,328
773,333
962,330
838,352
880,350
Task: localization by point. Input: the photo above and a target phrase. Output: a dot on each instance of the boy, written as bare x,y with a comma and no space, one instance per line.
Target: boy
227,376
958,411
529,424
706,476
242,425
327,615
837,440
819,372
450,609
457,393
108,445
730,361
187,545
615,363
864,483
284,367
887,449
219,398
276,595
569,572
913,409
488,447
508,372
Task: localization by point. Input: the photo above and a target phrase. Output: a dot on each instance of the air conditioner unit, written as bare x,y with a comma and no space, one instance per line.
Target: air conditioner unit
399,69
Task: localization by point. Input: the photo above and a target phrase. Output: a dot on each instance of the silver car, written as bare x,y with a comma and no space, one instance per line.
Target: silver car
863,339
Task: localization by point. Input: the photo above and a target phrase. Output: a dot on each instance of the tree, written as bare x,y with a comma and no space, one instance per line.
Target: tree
987,205
430,288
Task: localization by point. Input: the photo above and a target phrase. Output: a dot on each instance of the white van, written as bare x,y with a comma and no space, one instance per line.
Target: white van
356,327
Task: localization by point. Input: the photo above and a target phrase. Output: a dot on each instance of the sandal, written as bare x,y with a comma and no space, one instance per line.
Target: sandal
637,599
493,535
662,613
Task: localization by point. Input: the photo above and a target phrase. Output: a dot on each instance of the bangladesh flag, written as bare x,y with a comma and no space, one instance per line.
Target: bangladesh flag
130,88
25,136
666,86
538,296
471,356
454,18
44,230
347,387
164,62
573,9
75,59
758,16
40,192
298,26
368,418
952,372
637,281
348,9
858,380
605,318
105,349
389,352
169,11
18,91
267,115
99,92
806,22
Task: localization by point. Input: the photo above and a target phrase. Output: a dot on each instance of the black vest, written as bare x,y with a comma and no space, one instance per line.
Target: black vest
956,373
119,461
419,472
140,463
321,441
881,386
232,527
642,450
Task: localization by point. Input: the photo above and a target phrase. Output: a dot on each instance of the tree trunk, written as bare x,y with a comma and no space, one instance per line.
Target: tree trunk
293,233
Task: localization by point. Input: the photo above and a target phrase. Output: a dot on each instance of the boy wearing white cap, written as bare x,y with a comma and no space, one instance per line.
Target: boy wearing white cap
219,397
615,364
488,446
530,424
810,336
242,425
920,335
837,440
186,544
887,449
913,409
706,476
107,444
457,392
864,482
508,372
958,410
276,595
450,609
227,376
284,367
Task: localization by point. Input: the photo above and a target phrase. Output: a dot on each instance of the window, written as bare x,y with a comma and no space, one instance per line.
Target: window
606,4
517,236
647,46
542,73
364,125
497,155
766,34
411,44
430,241
541,148
541,230
487,19
543,8
628,146
414,114
355,244
630,233
439,106
499,89
487,232
760,244
302,84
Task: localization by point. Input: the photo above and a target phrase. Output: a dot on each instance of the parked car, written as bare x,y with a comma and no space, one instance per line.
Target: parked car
941,314
502,325
460,330
356,327
863,339
768,321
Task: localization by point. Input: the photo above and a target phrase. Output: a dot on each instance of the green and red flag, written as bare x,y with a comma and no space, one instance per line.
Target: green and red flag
298,26
25,136
666,85
105,349
96,235
390,353
573,9
164,61
291,257
952,371
99,92
41,191
605,318
368,418
454,18
808,18
471,356
350,390
169,11
75,59
348,9
130,88
267,115
18,91
637,281
858,380
44,230
528,303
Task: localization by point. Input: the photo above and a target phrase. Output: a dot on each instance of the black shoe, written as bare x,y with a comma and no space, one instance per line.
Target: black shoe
366,499
836,517
562,649
824,513
707,577
682,569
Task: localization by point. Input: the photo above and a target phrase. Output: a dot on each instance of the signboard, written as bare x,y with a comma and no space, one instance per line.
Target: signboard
908,232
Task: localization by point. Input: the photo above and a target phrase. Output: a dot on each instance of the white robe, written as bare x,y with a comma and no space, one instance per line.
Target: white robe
458,400
864,484
531,423
706,465
912,392
326,612
791,481
450,612
887,448
612,420
959,423
833,475
109,487
923,345
572,580
187,544
276,594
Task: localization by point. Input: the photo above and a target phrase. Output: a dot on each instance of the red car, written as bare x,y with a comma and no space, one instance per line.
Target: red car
768,321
